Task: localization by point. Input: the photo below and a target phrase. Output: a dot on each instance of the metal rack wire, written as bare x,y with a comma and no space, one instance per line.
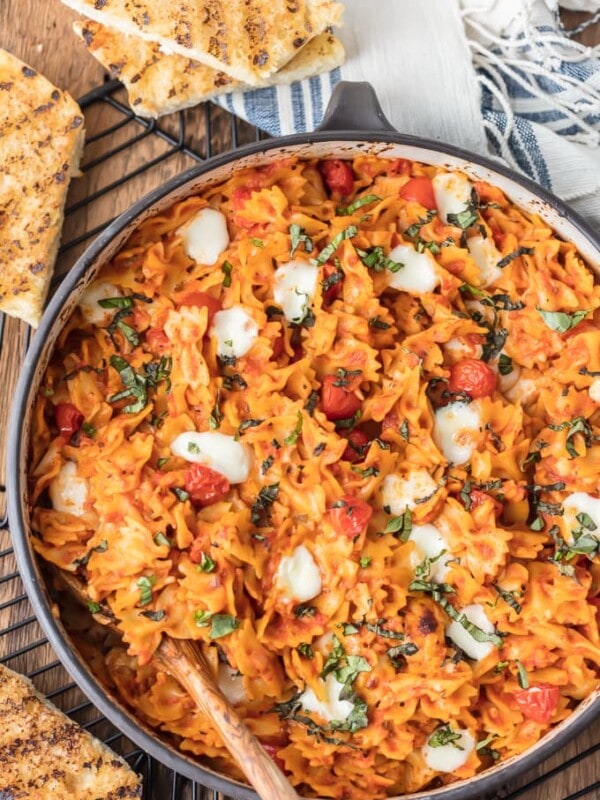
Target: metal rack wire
177,142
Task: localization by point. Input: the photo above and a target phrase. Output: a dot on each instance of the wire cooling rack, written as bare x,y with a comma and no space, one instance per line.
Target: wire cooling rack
147,153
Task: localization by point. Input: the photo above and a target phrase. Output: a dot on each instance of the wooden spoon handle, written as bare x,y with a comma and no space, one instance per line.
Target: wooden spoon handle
188,667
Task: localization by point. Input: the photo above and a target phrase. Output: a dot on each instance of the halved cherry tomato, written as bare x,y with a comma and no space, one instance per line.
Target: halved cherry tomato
204,485
472,376
539,702
356,447
419,189
200,299
68,418
350,516
272,751
338,176
334,290
336,401
478,498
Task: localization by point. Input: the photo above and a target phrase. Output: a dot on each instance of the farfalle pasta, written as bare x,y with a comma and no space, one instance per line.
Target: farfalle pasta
337,422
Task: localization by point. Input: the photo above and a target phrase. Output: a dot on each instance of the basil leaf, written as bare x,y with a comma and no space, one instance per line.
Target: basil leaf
358,203
206,564
94,608
116,302
260,512
293,436
226,268
522,676
223,625
348,233
298,236
161,540
304,611
444,736
508,598
145,584
400,526
155,616
522,251
414,229
377,322
305,650
505,365
560,321
374,259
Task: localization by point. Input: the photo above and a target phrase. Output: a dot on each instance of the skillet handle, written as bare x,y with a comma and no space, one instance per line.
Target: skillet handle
354,107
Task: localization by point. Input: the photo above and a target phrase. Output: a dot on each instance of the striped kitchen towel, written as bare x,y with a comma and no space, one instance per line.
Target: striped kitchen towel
498,77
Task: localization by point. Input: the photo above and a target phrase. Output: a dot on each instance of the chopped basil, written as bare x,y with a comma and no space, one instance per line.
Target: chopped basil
249,423
358,203
223,625
102,547
267,464
367,472
521,251
576,425
397,655
346,376
375,259
348,233
508,598
88,429
303,610
159,371
444,735
537,524
257,242
349,629
226,268
312,401
505,364
365,562
484,749
216,417
385,633
331,280
193,448
298,236
234,382
292,438
162,461
414,229
305,650
135,386
161,540
260,513
590,372
377,322
560,321
155,616
350,422
320,447
433,247
145,584
116,302
494,342
202,618
128,332
400,526
404,431
206,563
94,608
180,494
522,676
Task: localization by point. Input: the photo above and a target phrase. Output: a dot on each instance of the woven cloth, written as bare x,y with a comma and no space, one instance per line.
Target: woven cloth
499,77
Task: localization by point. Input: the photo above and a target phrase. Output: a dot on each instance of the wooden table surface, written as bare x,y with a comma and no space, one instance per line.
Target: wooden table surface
39,32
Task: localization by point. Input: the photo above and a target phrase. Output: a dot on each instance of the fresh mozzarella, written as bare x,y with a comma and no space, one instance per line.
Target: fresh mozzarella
235,331
459,348
231,684
69,492
298,577
331,708
449,757
461,637
486,256
217,450
399,493
417,274
429,543
294,288
455,430
452,193
89,303
205,236
581,503
525,391
594,390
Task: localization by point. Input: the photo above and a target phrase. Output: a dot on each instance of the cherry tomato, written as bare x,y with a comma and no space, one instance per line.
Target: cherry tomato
205,485
356,447
479,497
272,751
400,165
334,290
539,702
68,418
200,299
421,190
472,376
336,401
338,176
350,516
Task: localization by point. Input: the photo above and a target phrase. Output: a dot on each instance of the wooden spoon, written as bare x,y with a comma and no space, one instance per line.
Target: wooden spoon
188,666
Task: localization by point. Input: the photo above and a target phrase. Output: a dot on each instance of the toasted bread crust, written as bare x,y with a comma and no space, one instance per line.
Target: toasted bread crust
160,84
247,39
41,140
46,756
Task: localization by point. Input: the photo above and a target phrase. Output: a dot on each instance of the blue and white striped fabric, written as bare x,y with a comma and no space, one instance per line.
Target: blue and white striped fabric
493,76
